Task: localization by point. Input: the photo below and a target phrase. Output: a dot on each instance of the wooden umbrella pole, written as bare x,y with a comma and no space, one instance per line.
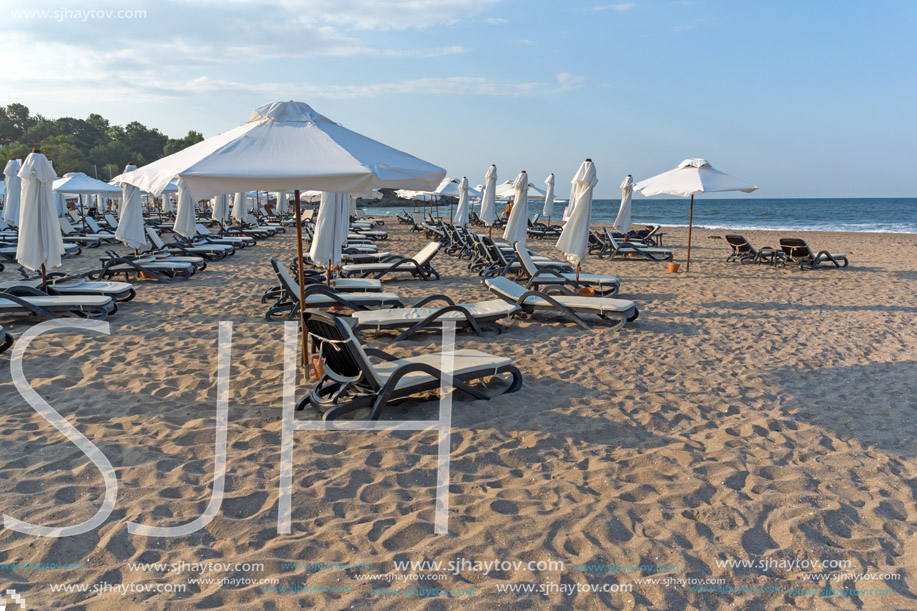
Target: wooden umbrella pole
44,279
302,286
690,226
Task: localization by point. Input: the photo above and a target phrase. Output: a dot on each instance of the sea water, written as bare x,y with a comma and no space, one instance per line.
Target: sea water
888,215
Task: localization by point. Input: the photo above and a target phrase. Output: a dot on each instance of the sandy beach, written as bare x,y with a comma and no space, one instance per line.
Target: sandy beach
752,432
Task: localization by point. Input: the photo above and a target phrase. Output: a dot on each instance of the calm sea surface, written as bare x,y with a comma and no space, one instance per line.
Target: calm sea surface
898,215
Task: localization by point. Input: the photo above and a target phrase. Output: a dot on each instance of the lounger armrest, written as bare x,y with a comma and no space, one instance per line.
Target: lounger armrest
380,354
433,298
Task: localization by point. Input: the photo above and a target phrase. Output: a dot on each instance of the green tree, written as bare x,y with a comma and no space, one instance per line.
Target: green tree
173,146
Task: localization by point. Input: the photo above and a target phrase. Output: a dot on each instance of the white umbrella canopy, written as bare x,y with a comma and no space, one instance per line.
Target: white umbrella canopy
464,205
450,187
240,210
130,223
13,192
40,243
508,189
77,182
331,229
184,218
489,198
517,225
283,204
692,176
548,196
574,239
622,221
285,145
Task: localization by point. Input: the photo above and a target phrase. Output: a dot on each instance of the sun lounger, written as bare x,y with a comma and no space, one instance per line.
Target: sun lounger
614,248
319,296
418,265
119,291
744,252
797,251
618,311
69,231
163,269
562,274
351,381
6,340
28,301
205,235
288,276
211,252
475,316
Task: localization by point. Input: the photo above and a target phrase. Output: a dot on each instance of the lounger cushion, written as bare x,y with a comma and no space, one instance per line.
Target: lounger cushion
508,289
58,302
405,317
464,361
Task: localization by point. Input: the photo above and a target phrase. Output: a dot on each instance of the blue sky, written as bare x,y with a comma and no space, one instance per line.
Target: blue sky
804,99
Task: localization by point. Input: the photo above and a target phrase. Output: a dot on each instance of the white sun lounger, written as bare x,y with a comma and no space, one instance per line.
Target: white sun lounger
418,265
561,274
414,319
618,311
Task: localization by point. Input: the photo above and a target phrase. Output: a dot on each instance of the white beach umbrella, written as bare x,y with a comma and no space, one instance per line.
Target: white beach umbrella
331,229
622,221
508,190
464,204
287,145
79,183
489,198
517,225
184,218
220,210
240,210
60,202
40,243
548,197
451,188
283,204
13,192
692,176
130,223
574,239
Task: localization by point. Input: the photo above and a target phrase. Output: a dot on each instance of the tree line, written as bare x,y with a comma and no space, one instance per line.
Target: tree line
92,145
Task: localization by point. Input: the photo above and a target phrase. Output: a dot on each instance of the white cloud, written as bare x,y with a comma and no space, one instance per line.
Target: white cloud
526,41
620,7
369,14
496,20
684,27
568,82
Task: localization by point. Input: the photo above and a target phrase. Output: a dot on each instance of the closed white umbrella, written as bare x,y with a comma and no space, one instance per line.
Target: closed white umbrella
40,243
516,225
240,210
548,197
489,199
464,205
574,239
220,207
184,218
622,221
130,223
60,202
692,176
167,203
283,204
331,229
13,192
